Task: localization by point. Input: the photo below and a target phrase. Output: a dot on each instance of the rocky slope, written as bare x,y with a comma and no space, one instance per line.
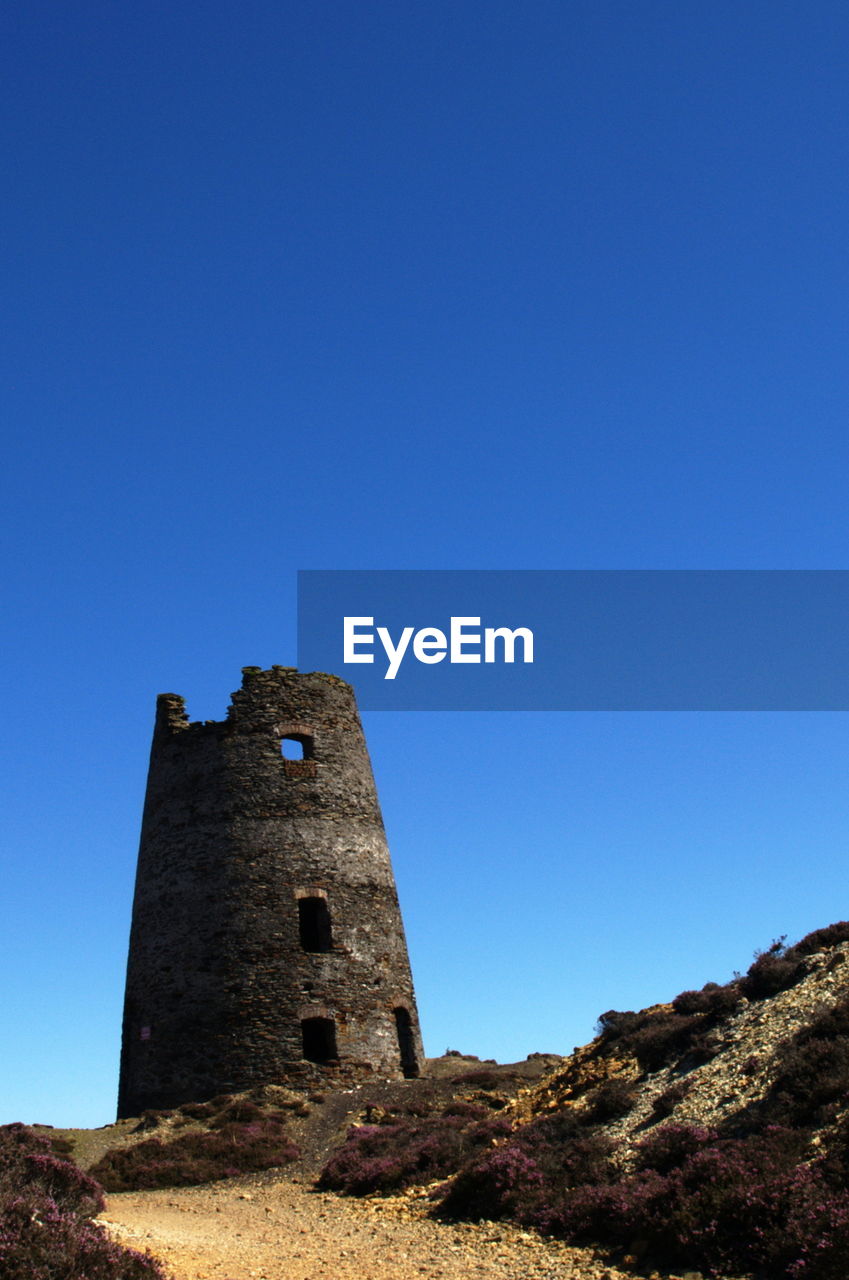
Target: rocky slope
745,1049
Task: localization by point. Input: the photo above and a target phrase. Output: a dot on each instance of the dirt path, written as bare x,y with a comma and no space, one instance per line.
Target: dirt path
284,1231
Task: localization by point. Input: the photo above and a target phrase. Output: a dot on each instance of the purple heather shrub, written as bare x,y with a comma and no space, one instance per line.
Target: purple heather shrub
194,1158
750,1205
611,1099
64,1183
471,1110
812,1076
667,1101
723,1205
483,1078
712,999
504,1182
45,1206
527,1177
40,1241
668,1147
656,1038
773,970
387,1157
811,1080
27,1161
756,1204
822,939
612,1214
817,1226
565,1151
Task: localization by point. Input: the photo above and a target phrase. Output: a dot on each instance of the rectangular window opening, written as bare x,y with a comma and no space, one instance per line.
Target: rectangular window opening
314,925
406,1043
319,1038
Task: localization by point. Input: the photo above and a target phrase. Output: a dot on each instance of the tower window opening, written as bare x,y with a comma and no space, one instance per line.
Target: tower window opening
297,746
319,1037
314,924
406,1043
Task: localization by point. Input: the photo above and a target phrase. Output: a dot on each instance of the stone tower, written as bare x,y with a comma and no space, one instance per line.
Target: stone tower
266,942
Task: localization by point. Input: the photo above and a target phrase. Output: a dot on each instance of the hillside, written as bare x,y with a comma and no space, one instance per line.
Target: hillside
708,1135
716,1057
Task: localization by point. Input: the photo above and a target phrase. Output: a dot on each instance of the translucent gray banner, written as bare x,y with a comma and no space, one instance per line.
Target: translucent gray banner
688,640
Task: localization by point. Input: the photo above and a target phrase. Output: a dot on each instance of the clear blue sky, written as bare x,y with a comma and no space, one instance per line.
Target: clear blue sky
382,285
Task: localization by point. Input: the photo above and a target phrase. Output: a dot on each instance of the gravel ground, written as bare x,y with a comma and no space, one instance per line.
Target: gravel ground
285,1231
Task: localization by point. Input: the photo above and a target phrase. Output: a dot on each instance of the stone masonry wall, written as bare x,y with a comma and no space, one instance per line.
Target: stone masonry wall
219,979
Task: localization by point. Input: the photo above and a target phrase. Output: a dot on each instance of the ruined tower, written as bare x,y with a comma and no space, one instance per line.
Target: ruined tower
266,941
